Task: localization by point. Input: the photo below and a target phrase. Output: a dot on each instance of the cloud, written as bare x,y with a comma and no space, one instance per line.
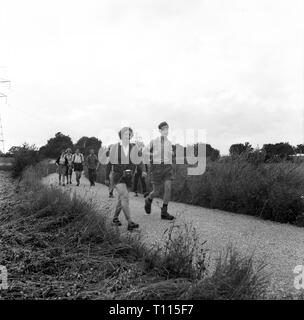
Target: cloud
234,68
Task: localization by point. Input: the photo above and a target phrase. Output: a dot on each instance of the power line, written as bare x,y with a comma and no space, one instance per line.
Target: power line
2,95
1,136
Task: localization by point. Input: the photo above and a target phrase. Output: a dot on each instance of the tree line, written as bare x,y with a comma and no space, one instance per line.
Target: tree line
52,149
270,152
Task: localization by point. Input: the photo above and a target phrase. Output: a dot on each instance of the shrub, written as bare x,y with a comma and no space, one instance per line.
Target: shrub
24,156
234,278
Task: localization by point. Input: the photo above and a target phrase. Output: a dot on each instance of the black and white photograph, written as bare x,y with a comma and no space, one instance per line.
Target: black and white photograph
151,151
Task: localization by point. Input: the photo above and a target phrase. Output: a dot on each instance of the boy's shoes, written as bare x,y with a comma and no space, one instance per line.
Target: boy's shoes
132,225
165,215
116,222
148,203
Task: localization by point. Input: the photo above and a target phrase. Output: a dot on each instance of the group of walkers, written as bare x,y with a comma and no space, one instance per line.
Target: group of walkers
68,162
121,172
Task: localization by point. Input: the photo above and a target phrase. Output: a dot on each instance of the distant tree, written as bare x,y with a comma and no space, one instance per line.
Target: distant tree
86,143
278,151
239,148
54,145
299,148
211,153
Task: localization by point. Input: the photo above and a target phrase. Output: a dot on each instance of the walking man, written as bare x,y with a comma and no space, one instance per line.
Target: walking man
123,171
61,163
92,164
161,169
78,161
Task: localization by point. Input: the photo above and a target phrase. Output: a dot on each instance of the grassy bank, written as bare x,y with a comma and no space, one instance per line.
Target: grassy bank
267,190
6,163
59,247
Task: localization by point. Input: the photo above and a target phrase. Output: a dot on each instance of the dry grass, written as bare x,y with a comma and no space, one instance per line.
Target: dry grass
57,247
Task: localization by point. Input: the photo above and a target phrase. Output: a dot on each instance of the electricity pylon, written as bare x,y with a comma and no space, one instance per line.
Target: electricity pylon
2,95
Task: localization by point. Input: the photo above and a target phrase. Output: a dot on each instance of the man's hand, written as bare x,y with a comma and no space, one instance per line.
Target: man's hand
107,183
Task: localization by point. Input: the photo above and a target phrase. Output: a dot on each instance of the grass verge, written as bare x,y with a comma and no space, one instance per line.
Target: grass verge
57,246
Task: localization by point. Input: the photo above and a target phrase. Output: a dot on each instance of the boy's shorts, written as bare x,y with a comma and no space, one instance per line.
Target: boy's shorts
119,178
159,173
78,167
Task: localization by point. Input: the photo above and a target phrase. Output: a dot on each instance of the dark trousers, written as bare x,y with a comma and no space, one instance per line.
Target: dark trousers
92,175
138,176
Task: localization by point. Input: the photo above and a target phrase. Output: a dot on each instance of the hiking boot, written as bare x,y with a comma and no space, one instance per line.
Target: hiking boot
148,203
116,222
165,215
132,225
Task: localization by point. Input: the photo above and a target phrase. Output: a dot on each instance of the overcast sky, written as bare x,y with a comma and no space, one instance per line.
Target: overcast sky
234,68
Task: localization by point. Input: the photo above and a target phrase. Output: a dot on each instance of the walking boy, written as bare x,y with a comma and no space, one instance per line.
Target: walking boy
92,163
161,169
61,163
69,171
139,177
110,170
78,161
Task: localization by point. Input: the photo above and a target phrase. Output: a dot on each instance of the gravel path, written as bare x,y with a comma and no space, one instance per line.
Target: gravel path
281,246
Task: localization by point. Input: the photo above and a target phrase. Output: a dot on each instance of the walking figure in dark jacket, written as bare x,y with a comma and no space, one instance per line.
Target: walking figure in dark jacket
92,164
62,164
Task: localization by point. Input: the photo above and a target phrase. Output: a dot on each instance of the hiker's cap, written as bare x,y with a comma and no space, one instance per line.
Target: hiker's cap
163,124
123,130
